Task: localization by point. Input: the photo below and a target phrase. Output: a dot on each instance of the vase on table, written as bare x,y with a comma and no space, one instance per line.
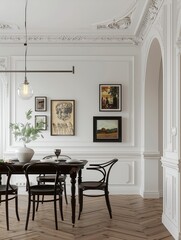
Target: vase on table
24,154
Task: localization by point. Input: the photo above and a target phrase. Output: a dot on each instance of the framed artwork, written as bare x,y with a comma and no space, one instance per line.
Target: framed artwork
110,97
41,118
62,117
107,129
40,104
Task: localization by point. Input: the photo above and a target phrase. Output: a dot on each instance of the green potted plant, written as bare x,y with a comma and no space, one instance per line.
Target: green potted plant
26,132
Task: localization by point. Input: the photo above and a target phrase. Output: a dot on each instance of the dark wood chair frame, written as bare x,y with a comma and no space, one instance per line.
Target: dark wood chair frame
8,192
38,190
47,178
102,184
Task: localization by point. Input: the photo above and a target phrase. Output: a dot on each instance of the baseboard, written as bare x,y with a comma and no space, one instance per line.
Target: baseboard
150,194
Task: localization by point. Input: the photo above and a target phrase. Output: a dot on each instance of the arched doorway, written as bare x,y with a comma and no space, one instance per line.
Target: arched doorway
153,123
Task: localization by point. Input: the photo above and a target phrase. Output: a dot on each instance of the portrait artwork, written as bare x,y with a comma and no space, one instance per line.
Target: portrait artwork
62,117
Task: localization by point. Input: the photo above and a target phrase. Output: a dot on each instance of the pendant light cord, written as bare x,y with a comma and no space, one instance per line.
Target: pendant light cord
26,40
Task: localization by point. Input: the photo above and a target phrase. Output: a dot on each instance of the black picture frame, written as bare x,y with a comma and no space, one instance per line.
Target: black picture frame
107,129
110,97
41,118
62,117
40,104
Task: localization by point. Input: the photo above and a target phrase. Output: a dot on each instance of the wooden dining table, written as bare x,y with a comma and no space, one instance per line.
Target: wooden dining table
74,170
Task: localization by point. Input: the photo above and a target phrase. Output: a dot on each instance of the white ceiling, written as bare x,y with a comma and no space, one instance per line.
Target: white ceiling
78,20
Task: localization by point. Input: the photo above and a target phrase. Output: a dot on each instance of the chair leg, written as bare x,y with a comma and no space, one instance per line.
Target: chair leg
108,203
7,214
80,202
37,205
28,212
61,207
42,199
65,192
33,215
55,213
16,205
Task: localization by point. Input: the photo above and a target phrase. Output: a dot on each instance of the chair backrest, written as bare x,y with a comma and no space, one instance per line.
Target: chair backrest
104,169
8,169
41,168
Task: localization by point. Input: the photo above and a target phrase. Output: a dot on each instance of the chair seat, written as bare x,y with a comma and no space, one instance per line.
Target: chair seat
10,190
50,178
92,185
45,189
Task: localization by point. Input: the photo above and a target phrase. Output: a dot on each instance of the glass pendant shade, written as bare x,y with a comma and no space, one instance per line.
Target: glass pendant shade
25,91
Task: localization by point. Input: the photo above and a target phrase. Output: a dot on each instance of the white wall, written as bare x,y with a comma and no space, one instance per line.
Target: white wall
93,65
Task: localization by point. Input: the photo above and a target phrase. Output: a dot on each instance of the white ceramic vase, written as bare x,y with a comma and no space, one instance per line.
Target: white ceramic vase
24,154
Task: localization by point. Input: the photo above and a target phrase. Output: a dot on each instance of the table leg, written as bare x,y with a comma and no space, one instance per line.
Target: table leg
73,199
80,176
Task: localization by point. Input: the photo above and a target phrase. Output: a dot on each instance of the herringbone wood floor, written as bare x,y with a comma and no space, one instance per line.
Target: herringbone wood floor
134,218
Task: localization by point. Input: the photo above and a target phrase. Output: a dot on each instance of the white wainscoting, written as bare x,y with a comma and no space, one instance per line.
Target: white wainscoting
124,177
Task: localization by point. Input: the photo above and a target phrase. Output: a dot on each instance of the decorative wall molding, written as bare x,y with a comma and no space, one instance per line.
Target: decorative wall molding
171,164
179,43
3,62
3,78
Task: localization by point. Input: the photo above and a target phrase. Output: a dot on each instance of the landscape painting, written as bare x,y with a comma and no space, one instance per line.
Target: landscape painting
107,129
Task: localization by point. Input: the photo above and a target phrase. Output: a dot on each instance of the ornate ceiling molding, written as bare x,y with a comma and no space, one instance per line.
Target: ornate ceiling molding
98,36
8,26
149,18
5,26
122,23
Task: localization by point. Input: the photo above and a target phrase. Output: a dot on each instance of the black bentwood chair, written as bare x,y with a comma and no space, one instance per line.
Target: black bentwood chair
102,184
35,191
49,178
8,192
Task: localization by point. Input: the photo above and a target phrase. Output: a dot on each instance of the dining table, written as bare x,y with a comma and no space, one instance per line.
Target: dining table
73,169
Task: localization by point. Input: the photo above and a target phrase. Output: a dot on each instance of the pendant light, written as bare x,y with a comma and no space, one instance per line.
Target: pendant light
25,91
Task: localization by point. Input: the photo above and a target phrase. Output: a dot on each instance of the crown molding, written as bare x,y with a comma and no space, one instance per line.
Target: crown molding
98,37
68,38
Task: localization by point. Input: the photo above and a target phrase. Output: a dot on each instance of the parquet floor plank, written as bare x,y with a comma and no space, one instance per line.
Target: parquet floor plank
134,218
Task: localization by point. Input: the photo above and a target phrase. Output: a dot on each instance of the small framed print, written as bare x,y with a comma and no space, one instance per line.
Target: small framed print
62,117
40,104
41,118
110,97
107,129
